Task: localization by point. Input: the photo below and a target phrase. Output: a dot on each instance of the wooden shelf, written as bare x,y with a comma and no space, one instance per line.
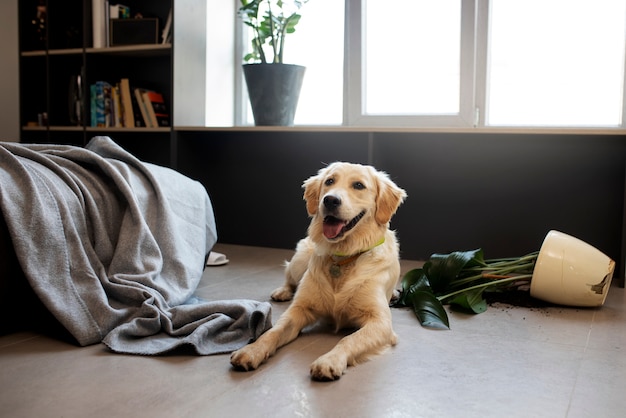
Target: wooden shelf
134,130
133,50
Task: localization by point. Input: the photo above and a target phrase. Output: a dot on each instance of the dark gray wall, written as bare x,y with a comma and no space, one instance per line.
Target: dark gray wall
9,68
501,192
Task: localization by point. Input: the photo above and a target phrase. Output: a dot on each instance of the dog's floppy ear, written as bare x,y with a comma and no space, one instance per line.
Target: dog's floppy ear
389,198
311,188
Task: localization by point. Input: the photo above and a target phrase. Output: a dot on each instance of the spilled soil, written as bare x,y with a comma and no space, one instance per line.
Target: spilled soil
520,298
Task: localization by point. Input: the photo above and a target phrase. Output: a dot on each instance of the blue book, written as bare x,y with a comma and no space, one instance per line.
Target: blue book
100,105
92,105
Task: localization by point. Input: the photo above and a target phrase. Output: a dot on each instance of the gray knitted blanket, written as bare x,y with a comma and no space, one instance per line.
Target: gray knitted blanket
115,249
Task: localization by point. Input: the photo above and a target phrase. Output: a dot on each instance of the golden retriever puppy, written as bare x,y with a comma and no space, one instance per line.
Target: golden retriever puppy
345,270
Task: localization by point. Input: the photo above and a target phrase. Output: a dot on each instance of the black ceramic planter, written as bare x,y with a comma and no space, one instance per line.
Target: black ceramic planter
274,90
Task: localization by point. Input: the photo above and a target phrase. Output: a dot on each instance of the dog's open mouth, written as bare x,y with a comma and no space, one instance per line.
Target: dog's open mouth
335,228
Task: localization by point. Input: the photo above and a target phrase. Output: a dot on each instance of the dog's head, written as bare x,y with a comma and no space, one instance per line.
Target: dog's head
347,200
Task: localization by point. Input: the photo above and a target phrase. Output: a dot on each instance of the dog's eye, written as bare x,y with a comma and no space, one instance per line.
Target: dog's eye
357,185
329,182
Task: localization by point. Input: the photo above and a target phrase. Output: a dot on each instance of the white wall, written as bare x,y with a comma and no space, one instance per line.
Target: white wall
189,62
204,41
9,72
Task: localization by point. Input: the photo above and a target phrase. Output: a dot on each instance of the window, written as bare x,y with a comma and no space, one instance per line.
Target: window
556,62
416,63
412,66
461,63
318,45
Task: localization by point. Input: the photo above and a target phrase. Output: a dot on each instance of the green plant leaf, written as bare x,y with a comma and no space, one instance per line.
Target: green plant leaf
408,280
291,22
417,294
429,310
441,269
271,22
471,300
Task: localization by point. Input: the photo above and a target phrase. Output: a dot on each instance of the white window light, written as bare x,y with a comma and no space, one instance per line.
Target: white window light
556,62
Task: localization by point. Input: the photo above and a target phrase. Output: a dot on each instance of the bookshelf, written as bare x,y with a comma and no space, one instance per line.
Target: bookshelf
58,49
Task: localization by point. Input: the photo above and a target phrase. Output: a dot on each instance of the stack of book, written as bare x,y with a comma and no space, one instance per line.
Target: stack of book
114,106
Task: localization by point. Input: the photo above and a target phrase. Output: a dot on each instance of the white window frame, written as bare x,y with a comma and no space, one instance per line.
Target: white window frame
354,68
475,23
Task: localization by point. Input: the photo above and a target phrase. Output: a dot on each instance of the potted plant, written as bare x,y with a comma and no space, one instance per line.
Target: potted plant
565,271
273,86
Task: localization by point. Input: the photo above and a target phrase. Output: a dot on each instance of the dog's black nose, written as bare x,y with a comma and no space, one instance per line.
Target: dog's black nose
331,202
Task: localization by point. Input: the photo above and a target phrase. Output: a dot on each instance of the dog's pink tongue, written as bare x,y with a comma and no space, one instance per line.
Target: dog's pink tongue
332,229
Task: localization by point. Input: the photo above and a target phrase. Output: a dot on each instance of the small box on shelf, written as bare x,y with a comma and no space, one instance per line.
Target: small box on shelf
133,31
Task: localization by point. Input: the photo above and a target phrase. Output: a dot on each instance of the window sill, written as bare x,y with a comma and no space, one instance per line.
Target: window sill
481,130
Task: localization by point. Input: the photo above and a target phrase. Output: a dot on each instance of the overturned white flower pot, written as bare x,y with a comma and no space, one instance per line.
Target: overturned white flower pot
571,272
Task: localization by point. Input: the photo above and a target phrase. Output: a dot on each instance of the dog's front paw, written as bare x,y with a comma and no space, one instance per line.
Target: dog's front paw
395,296
247,358
328,367
282,294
